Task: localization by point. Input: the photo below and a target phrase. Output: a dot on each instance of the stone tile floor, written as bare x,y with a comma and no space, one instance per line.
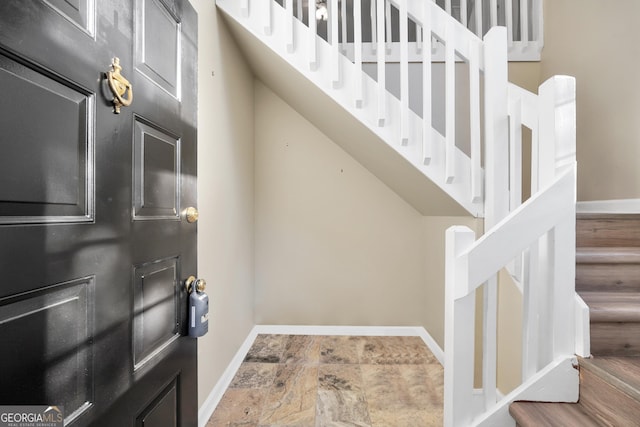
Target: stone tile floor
319,381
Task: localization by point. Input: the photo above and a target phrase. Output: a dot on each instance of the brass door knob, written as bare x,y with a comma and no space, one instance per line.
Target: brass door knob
191,214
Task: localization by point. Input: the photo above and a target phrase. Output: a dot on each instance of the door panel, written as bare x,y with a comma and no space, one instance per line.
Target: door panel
93,244
157,321
158,42
56,361
44,182
157,173
163,411
79,12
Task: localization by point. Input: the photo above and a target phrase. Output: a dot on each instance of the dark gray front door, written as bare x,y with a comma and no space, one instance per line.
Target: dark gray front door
94,245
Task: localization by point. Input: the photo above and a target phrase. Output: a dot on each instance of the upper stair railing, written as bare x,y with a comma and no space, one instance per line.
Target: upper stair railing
522,18
460,122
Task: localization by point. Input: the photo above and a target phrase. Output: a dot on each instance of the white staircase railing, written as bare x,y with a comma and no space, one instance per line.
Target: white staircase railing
522,18
464,133
540,235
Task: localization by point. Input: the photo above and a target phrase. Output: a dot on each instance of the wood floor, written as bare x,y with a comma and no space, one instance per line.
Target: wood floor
319,381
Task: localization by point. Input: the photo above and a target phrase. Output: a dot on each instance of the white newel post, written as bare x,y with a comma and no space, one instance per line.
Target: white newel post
496,126
557,124
459,329
557,150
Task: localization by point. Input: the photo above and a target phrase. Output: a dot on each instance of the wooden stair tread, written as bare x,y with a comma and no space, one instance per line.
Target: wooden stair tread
608,230
608,255
621,372
613,306
542,414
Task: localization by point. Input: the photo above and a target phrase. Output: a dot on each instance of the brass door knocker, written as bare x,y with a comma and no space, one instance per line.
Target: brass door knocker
119,87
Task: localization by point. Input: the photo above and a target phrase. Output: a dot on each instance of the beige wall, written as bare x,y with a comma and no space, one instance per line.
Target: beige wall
225,194
597,41
334,245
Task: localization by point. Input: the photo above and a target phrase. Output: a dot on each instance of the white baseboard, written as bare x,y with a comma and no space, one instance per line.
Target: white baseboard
209,405
207,408
625,206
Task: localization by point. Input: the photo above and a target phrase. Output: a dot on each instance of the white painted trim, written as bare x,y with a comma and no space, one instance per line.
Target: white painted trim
209,405
583,330
207,408
556,382
622,206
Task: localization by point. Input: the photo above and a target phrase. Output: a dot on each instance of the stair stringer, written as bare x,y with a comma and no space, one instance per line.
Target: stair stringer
343,94
557,382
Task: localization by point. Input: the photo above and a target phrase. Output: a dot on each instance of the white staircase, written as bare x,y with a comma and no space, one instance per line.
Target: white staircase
475,159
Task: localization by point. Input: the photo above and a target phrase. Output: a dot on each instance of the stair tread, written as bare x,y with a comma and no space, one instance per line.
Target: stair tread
613,306
607,230
621,372
542,414
608,255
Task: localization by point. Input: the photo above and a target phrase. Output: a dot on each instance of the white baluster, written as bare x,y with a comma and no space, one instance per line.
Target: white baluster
426,84
419,38
244,8
450,103
382,92
267,17
299,11
478,10
463,13
537,22
335,43
289,25
374,27
508,11
343,14
524,23
435,44
389,27
447,6
493,12
515,154
404,73
530,313
357,44
489,342
313,49
474,122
